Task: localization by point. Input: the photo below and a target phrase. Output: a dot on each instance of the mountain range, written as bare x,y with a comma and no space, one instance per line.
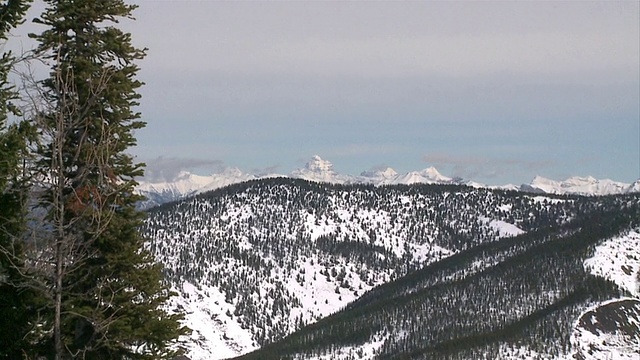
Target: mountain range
290,268
317,169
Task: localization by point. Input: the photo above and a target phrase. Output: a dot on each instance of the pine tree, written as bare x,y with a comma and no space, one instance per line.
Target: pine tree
107,292
15,297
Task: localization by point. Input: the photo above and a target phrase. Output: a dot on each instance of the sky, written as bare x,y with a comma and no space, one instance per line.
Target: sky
495,92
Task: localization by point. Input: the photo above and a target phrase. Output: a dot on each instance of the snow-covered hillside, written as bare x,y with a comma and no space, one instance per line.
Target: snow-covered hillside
516,297
618,259
611,329
255,261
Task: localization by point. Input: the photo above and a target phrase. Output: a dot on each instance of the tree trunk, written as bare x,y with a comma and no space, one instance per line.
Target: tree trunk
57,332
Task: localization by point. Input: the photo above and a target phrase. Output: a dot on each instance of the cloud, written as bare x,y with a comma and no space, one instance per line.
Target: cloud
364,149
167,168
474,167
269,170
389,41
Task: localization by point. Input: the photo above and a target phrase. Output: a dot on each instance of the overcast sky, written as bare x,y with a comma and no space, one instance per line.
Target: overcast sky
496,92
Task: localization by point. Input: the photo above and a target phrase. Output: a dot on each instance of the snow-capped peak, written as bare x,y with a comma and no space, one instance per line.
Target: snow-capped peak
635,187
427,176
385,173
578,185
317,164
316,169
434,175
321,170
186,184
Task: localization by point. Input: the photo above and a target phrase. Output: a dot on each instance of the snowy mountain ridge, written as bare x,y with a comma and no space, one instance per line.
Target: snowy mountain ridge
317,170
582,186
320,170
255,261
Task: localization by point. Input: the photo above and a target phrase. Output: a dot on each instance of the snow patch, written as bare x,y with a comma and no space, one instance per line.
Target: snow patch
215,334
366,351
503,228
618,260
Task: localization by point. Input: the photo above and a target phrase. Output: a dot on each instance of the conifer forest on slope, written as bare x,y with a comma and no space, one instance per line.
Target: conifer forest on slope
423,271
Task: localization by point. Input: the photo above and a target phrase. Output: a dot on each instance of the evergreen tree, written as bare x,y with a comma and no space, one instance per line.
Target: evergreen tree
15,296
107,293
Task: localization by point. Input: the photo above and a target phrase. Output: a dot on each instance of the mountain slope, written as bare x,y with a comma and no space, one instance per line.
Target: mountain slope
255,261
611,329
515,298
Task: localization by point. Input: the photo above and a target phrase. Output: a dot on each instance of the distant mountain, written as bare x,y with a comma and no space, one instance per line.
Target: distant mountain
581,186
319,170
186,184
255,262
427,176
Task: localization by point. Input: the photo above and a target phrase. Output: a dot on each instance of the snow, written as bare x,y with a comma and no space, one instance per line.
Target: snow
320,170
186,184
548,200
317,169
503,228
215,335
506,187
366,351
525,353
386,173
429,252
427,176
318,296
618,259
580,185
218,335
621,344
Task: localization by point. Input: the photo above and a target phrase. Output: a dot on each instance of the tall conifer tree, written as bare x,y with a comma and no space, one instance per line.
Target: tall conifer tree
107,292
15,295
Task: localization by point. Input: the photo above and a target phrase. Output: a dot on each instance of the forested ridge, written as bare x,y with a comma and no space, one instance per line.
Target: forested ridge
428,267
531,298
